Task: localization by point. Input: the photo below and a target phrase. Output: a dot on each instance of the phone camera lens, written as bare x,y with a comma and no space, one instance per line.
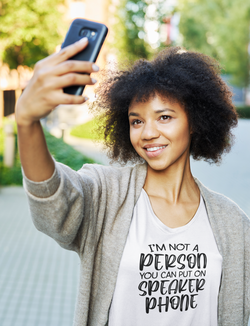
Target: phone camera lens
84,33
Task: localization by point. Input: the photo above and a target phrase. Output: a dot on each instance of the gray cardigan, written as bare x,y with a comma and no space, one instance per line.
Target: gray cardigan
90,211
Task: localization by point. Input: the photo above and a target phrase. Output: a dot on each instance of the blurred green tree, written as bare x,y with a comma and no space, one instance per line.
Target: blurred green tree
137,31
129,30
219,28
29,30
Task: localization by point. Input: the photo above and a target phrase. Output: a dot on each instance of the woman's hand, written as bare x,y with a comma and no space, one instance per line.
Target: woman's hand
45,89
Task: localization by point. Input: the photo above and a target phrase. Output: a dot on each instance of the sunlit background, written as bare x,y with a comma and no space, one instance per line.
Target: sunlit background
31,30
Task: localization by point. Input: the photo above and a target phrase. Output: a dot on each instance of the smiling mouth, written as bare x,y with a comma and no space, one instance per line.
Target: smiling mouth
152,149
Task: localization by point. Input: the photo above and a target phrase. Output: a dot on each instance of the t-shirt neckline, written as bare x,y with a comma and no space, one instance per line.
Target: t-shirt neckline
164,226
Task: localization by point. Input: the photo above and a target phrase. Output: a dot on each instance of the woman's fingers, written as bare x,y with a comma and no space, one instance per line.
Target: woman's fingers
74,79
63,55
69,51
71,99
75,66
45,89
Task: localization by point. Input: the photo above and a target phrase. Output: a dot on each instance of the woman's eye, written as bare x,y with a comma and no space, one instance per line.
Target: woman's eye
136,122
165,117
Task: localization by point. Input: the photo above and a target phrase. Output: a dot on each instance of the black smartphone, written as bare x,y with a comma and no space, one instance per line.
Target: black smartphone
96,33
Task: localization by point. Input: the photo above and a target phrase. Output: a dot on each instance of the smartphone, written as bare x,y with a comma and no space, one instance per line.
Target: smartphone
96,33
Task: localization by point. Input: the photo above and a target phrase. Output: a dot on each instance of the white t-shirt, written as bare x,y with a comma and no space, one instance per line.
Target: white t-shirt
167,277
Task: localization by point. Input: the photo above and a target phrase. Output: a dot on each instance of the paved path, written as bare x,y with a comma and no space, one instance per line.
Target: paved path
232,177
38,279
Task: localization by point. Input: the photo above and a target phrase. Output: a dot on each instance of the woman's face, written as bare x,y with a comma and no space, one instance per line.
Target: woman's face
159,132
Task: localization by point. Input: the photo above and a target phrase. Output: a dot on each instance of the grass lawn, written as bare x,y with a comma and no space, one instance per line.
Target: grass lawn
86,130
61,151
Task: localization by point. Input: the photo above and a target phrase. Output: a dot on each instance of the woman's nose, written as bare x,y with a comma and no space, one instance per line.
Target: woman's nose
150,131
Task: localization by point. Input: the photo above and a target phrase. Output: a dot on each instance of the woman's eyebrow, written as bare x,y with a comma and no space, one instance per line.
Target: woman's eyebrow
158,111
134,114
164,110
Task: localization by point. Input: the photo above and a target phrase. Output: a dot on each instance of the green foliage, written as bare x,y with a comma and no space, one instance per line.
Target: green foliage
61,152
64,153
133,18
244,112
1,144
9,176
129,31
29,30
86,130
219,28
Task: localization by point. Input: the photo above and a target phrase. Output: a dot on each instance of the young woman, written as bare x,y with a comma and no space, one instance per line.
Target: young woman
156,246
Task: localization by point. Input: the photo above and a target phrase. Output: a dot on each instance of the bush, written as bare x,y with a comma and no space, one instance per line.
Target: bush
244,112
62,152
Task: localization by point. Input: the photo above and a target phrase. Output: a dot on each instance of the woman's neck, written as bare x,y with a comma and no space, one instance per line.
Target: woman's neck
176,184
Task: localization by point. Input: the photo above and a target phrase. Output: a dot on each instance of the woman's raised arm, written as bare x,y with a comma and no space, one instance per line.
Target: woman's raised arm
43,93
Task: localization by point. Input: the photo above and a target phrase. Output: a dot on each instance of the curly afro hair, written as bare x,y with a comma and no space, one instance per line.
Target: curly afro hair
192,79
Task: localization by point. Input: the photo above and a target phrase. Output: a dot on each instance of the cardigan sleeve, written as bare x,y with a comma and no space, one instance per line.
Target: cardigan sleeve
64,206
247,269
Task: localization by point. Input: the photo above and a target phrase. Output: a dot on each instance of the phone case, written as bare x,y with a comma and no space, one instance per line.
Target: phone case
96,34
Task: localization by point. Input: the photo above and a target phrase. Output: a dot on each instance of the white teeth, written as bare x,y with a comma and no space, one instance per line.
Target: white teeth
151,149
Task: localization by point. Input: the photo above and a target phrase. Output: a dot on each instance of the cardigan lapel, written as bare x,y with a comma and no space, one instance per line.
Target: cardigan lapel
228,231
